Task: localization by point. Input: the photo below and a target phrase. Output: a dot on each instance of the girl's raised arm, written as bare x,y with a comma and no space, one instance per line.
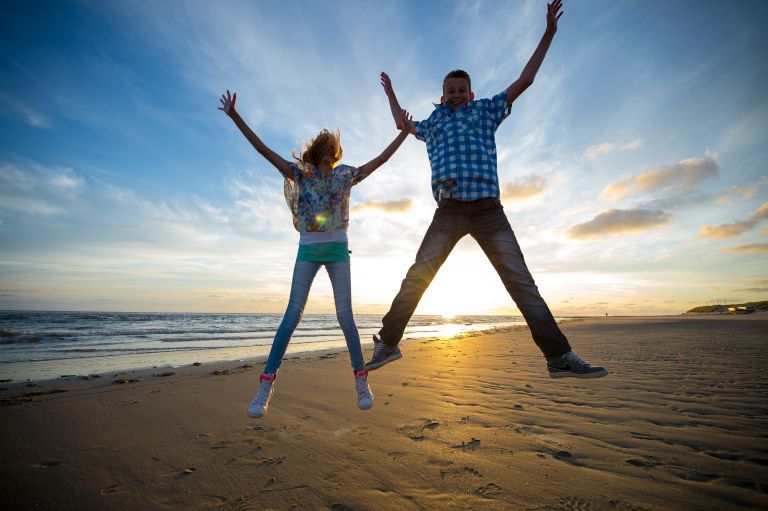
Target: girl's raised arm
228,107
407,127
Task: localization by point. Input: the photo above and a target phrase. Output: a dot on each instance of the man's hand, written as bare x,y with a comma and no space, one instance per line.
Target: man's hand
387,84
394,106
553,14
228,104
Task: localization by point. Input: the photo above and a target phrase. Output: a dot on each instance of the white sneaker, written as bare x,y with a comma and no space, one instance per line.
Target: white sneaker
364,394
259,404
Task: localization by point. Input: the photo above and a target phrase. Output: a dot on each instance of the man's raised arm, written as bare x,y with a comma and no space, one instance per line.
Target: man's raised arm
533,65
394,105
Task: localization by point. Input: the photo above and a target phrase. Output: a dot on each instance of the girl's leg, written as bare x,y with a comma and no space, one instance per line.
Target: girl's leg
303,274
342,295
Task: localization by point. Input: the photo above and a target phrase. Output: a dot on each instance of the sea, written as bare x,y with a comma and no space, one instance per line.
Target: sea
41,345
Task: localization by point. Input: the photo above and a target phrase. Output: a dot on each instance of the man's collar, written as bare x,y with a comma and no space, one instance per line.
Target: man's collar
445,109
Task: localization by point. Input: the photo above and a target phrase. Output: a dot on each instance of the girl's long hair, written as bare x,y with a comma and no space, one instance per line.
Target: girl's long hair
315,149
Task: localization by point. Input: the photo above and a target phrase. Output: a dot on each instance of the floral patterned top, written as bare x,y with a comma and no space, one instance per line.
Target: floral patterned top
318,203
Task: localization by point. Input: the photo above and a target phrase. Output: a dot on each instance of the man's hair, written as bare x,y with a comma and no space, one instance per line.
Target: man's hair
458,73
315,149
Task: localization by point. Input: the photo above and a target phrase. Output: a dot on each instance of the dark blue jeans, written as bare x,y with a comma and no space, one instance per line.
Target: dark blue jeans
485,221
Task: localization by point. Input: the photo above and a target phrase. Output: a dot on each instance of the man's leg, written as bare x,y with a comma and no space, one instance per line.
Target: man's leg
443,234
492,231
447,228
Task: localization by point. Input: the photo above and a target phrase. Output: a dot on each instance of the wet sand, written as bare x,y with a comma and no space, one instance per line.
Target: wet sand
681,422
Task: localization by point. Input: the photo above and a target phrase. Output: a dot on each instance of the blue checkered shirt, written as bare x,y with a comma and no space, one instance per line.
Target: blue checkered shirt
462,147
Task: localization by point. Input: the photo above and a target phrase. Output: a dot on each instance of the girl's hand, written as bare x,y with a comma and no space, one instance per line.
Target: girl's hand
407,121
553,14
228,103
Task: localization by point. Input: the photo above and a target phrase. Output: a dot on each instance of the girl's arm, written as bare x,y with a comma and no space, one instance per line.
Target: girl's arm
228,107
530,70
394,105
407,125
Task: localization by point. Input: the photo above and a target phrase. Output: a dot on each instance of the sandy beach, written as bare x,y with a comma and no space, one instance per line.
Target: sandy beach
681,422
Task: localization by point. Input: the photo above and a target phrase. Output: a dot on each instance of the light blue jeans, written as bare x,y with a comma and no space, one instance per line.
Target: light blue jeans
303,274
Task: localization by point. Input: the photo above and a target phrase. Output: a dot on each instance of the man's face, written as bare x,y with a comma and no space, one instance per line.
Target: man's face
456,93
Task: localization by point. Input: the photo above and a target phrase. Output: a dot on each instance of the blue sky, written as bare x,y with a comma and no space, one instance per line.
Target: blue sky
633,170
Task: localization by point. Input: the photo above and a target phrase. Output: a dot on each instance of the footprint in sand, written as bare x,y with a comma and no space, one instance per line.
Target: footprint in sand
112,488
463,471
415,429
620,505
178,473
489,491
688,474
47,464
269,462
643,462
438,462
576,504
471,445
123,381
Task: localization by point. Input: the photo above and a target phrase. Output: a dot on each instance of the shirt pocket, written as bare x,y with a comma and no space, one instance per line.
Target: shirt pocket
439,128
473,122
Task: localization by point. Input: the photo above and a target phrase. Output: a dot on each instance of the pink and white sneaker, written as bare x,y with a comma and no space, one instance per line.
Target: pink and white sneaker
364,394
259,404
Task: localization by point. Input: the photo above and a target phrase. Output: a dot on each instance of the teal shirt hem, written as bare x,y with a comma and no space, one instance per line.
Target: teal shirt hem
334,252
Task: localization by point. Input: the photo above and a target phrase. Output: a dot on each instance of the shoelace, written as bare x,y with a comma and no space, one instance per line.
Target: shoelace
378,349
574,359
362,388
263,394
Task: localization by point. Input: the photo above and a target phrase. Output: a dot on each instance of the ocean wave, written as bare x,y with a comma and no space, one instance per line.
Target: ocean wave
21,339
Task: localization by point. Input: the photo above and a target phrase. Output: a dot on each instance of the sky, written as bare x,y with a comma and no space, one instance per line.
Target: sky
633,170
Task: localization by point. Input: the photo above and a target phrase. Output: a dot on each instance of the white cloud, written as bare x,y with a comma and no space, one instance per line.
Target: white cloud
729,230
631,146
22,108
619,221
594,151
523,188
741,192
394,206
682,176
754,248
597,150
36,190
66,181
